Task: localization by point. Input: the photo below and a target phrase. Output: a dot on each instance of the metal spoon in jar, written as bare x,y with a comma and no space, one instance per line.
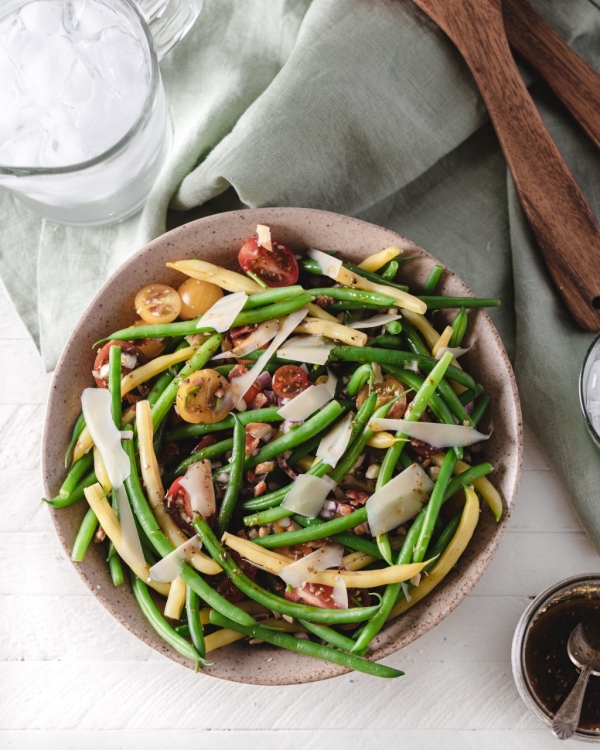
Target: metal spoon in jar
587,659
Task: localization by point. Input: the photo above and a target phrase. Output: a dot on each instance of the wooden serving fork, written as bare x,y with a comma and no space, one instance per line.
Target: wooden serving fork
564,226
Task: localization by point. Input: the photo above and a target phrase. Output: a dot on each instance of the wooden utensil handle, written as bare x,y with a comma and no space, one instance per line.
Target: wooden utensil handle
563,224
575,83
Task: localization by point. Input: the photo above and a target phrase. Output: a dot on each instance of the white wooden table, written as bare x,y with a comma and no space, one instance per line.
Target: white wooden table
72,678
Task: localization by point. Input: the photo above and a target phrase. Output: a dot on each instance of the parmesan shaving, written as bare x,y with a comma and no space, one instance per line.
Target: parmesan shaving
327,263
334,443
303,570
309,401
223,313
437,435
308,494
398,500
198,483
311,349
340,593
167,569
376,320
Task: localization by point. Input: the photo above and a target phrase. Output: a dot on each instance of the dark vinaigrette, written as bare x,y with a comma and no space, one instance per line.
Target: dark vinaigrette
551,672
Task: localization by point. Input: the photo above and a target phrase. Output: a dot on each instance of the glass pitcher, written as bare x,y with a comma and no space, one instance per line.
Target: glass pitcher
84,125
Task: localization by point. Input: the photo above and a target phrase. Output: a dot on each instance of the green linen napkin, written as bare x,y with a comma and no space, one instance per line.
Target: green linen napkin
362,107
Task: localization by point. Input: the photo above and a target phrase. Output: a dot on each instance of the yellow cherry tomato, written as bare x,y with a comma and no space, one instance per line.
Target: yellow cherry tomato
387,390
199,396
197,297
157,303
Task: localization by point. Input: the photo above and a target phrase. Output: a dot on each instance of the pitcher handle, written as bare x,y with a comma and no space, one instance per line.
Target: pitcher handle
169,21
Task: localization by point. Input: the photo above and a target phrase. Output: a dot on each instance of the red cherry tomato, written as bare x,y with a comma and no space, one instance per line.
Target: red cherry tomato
131,357
313,594
289,381
178,505
276,266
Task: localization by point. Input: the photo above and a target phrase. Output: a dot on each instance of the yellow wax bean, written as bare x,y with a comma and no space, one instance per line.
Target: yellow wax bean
378,260
449,557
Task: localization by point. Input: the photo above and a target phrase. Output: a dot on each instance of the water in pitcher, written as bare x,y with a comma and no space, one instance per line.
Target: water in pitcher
76,78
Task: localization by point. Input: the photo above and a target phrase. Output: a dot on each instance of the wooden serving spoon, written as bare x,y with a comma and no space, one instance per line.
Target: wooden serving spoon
564,226
575,82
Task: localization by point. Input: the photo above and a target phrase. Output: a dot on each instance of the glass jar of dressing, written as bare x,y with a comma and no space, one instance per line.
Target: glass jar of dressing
543,672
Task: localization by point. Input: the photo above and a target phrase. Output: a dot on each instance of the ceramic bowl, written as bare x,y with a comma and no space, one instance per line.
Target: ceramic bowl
218,239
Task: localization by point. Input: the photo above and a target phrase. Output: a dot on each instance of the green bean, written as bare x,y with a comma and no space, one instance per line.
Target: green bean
432,280
479,410
212,451
467,396
163,546
305,448
269,296
75,495
266,598
159,386
360,377
236,476
114,384
459,327
301,646
387,356
346,538
383,545
336,307
255,310
355,295
115,568
192,608
371,276
76,473
441,303
269,414
390,595
158,622
333,637
394,327
267,516
433,506
84,536
77,430
390,270
313,531
198,360
316,423
388,341
183,630
467,477
269,312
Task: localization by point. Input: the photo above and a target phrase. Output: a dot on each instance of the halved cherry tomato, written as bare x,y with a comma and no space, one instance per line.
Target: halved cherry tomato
197,297
199,395
276,266
386,390
289,381
319,595
131,357
178,505
157,303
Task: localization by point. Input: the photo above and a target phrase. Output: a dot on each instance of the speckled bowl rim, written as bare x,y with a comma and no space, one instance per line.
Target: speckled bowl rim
287,669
